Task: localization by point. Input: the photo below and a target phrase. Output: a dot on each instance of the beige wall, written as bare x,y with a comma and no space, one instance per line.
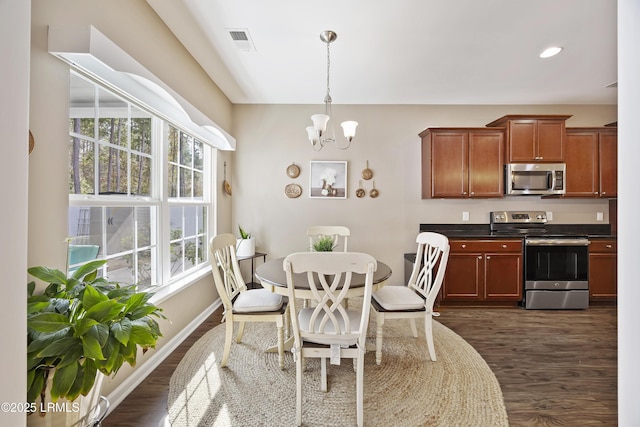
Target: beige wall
14,126
136,29
272,137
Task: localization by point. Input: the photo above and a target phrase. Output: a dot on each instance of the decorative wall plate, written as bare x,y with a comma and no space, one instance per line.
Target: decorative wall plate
292,191
293,171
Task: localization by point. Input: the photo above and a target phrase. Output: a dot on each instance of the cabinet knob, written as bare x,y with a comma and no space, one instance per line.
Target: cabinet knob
595,192
472,193
504,246
603,193
609,246
488,257
463,246
479,256
464,192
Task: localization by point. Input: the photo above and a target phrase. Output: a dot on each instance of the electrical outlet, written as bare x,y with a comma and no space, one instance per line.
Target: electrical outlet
465,216
549,216
600,216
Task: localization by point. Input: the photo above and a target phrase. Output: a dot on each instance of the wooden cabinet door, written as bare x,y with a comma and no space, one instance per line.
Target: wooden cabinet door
533,138
486,167
550,141
608,154
603,269
503,276
603,276
462,279
582,164
522,140
449,170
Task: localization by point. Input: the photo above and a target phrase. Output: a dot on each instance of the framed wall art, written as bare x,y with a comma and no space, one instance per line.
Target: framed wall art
328,179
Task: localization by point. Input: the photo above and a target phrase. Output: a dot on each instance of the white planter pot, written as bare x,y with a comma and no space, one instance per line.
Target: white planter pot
80,413
246,247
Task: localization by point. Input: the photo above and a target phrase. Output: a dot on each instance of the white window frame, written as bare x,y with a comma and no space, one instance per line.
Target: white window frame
158,200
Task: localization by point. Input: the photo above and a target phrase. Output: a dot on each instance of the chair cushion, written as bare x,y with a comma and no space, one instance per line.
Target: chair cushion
398,298
304,317
256,300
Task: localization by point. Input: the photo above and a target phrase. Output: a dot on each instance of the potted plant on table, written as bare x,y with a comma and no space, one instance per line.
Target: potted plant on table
80,328
324,244
245,245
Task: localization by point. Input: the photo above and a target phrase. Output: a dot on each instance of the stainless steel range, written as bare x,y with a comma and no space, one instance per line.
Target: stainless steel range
556,267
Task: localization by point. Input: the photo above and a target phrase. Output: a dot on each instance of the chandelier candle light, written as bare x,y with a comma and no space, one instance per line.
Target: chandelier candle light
318,135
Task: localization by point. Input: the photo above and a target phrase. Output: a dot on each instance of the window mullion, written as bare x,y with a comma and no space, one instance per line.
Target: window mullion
161,130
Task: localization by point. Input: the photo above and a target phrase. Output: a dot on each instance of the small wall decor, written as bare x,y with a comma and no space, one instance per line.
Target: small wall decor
367,173
374,193
360,193
293,191
293,171
32,142
225,184
328,180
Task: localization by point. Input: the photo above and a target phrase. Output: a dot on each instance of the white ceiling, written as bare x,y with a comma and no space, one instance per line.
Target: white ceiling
403,51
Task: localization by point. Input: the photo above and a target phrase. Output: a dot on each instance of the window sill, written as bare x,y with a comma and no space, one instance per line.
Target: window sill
166,292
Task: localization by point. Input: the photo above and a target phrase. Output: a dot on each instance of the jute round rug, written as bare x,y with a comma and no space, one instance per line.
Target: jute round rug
407,389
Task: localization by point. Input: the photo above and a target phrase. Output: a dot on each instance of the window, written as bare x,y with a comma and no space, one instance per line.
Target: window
188,212
137,189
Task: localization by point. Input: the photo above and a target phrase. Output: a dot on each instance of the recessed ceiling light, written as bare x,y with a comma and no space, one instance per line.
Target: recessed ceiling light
550,51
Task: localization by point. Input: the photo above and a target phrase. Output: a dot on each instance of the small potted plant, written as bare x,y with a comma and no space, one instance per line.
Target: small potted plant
245,245
324,244
80,328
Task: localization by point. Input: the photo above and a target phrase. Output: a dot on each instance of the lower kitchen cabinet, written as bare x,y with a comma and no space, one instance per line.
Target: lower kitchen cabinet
485,271
603,270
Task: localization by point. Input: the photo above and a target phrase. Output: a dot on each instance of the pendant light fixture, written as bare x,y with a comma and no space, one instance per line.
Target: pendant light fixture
318,134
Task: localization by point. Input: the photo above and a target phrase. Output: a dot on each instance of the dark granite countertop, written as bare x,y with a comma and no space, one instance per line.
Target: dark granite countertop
483,231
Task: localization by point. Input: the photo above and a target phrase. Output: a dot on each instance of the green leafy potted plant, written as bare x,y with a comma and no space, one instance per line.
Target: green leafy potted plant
324,244
80,327
245,245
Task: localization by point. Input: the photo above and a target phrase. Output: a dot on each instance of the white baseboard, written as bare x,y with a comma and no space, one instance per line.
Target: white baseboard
129,384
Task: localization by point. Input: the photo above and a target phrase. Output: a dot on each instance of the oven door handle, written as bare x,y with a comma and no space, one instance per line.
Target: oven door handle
555,242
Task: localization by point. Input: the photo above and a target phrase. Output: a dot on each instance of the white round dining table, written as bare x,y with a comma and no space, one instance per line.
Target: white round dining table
272,276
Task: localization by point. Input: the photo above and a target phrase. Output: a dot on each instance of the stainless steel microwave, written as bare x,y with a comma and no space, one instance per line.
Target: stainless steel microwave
534,178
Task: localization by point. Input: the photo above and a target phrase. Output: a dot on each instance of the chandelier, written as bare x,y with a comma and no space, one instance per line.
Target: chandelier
318,134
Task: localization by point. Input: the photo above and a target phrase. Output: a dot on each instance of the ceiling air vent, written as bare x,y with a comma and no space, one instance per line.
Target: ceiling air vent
241,38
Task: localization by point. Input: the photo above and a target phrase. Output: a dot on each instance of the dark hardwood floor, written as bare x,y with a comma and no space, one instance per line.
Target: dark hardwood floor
556,368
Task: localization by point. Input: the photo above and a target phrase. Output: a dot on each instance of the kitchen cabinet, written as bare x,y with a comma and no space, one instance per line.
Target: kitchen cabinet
533,138
592,163
462,162
603,270
483,271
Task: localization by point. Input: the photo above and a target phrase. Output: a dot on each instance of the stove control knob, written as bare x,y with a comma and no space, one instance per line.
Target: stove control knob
541,217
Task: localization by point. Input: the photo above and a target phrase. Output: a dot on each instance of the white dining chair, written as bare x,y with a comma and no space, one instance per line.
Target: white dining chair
240,304
416,300
328,330
339,233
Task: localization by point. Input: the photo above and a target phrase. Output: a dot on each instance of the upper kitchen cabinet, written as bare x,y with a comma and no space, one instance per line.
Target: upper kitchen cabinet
592,162
533,138
462,162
